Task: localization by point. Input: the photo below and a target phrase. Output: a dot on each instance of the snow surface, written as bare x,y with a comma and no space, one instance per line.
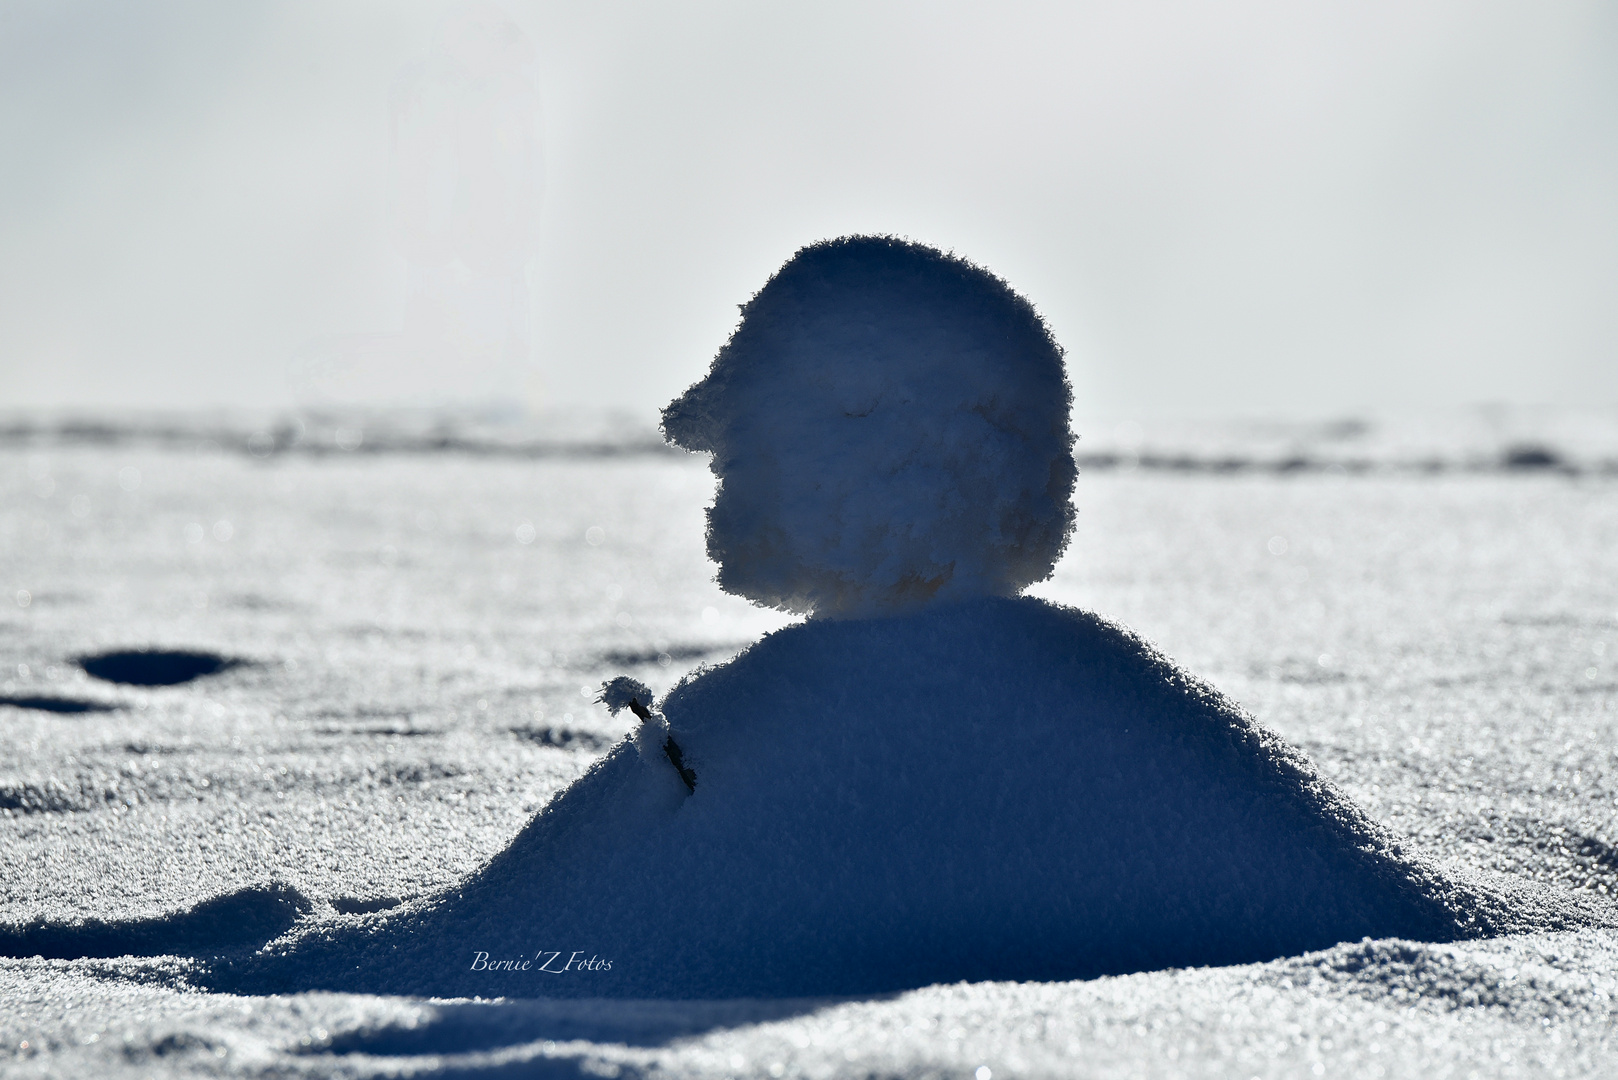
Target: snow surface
1440,648
890,424
992,789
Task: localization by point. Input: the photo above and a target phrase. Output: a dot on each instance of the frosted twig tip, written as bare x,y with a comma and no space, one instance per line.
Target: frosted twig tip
626,693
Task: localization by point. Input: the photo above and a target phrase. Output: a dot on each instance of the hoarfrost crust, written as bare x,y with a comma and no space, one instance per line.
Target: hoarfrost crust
890,426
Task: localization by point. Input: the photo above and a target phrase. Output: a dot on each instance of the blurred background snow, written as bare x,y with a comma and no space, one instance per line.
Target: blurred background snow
1251,208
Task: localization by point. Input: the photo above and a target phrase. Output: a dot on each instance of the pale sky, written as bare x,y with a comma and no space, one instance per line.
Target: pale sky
1246,207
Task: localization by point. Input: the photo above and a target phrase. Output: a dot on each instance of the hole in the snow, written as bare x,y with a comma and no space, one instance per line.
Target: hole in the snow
353,905
563,738
242,919
56,704
674,654
1532,456
155,667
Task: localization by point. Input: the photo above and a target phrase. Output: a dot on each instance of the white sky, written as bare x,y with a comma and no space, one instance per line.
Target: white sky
1239,207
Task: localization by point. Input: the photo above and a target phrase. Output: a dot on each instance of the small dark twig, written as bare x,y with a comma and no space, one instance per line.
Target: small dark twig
677,759
626,693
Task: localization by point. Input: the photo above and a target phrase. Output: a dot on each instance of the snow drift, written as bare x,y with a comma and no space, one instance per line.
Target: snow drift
995,789
970,786
890,424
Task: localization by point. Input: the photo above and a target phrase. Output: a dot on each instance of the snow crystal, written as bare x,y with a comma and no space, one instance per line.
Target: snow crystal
890,424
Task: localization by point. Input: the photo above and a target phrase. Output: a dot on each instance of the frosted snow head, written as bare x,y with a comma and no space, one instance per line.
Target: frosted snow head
889,425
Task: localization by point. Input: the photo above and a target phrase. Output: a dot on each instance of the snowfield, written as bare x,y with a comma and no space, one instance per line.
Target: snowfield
409,640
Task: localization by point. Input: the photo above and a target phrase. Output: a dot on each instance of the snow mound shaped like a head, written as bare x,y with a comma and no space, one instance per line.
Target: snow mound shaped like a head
890,426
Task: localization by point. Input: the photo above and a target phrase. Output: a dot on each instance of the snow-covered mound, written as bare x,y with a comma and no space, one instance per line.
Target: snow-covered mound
891,426
995,789
942,781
